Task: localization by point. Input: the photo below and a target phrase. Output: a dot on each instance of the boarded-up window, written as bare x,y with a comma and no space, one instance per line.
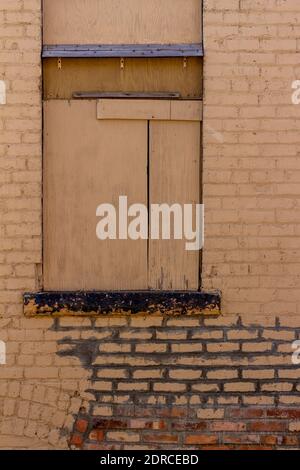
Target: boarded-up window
96,150
135,148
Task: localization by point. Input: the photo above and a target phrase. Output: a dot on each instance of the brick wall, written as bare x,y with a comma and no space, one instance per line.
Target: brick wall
251,154
120,382
186,383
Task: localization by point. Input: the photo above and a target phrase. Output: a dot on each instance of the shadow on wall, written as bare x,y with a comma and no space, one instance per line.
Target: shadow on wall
171,383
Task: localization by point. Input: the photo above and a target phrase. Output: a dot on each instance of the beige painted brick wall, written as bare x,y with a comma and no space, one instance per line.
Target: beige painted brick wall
36,387
20,152
251,154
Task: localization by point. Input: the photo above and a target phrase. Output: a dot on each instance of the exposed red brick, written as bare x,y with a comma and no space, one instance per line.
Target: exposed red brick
246,413
250,439
285,413
110,424
266,426
160,437
218,426
269,440
76,440
220,447
201,439
290,441
158,412
96,435
81,425
188,426
249,447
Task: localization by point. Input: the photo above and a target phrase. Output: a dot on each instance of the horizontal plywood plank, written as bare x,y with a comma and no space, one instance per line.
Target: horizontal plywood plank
162,110
122,22
133,109
186,110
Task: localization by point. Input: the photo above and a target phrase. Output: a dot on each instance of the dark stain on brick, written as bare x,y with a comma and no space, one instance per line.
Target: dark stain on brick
86,351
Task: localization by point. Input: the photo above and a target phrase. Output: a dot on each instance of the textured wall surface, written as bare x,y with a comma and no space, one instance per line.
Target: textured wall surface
187,383
127,383
251,154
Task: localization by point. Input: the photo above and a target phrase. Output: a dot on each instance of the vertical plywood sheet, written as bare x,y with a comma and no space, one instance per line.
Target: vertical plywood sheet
174,178
122,21
88,162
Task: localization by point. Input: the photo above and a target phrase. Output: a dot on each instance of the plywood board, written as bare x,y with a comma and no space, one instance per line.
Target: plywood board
133,109
106,75
88,162
185,110
163,110
174,178
122,21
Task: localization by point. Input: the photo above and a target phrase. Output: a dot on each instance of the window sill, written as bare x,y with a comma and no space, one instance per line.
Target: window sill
96,304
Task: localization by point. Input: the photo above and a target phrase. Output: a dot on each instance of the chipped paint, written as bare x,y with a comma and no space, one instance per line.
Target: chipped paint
122,303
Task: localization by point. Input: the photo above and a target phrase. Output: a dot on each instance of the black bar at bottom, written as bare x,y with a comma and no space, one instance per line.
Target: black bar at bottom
135,459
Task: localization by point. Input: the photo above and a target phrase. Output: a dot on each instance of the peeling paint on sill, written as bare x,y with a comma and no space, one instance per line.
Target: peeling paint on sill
122,303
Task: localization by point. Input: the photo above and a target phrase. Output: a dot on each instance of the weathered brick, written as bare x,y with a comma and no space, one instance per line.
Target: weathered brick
171,387
148,374
201,439
258,374
184,374
123,436
151,348
239,387
81,425
158,437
